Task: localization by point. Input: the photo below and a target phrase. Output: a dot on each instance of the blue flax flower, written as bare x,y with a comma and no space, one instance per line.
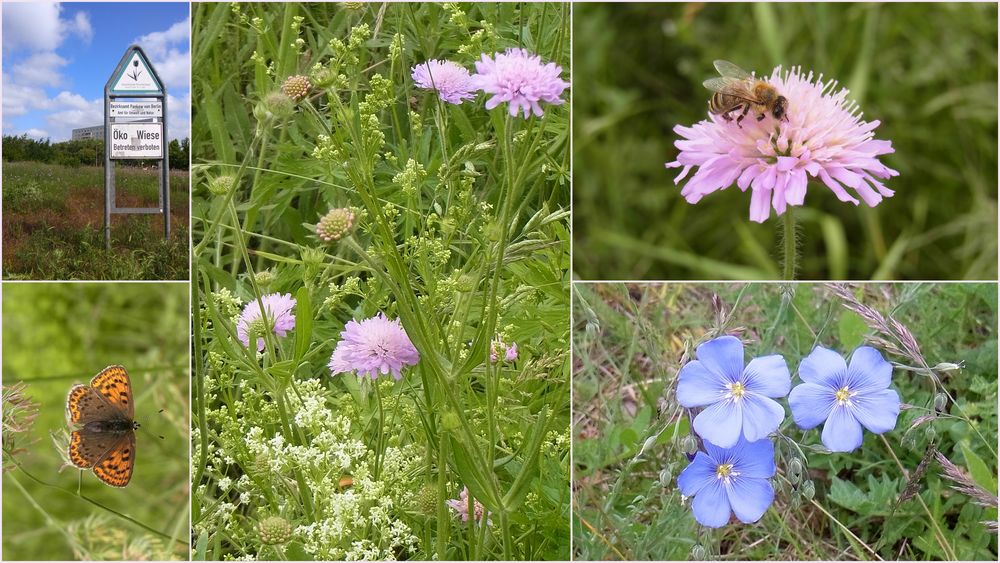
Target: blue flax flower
730,480
736,398
846,397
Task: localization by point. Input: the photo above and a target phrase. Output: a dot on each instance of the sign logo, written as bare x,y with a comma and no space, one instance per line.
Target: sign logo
136,77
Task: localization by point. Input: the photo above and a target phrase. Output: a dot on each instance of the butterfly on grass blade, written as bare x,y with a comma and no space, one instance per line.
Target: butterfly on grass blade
103,436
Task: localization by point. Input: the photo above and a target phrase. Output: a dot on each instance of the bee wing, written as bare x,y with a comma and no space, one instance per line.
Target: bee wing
724,85
730,70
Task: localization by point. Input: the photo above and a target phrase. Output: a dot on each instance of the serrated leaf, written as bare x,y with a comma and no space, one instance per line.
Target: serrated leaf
846,494
978,470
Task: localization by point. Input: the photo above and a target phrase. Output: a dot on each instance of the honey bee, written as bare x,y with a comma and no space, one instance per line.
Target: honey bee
737,88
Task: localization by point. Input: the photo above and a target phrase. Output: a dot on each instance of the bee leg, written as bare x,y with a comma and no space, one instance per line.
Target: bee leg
761,117
739,120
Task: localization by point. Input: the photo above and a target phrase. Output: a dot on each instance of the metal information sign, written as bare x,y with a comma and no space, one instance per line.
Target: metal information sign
135,125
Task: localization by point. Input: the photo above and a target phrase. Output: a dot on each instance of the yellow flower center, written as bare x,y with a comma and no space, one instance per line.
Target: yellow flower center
843,396
736,390
724,470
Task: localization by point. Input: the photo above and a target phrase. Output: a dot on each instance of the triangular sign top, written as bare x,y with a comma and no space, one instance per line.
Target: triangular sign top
136,76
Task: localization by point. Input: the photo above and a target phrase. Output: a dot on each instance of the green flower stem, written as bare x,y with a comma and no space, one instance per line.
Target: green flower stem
790,240
443,517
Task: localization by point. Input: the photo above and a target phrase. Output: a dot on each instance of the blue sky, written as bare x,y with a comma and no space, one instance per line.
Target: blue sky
57,57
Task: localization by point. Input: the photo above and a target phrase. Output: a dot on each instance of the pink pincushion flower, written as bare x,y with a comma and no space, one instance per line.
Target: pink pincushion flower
279,317
511,354
451,81
824,137
519,78
372,347
461,507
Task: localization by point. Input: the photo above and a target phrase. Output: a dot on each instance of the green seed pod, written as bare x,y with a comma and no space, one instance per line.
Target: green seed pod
689,444
698,552
274,106
666,475
451,421
795,470
930,433
264,278
221,185
796,500
274,530
940,402
809,489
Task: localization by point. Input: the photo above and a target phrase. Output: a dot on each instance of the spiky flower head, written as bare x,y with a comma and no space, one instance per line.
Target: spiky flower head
520,79
336,224
275,105
279,318
824,137
372,347
461,508
274,530
425,501
296,87
221,185
450,80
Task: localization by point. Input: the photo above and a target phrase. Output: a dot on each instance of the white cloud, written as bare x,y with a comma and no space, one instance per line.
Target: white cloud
36,26
178,117
40,69
70,111
19,99
36,133
157,44
170,53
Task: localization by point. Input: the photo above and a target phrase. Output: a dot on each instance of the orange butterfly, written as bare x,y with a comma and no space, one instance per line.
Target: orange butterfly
103,438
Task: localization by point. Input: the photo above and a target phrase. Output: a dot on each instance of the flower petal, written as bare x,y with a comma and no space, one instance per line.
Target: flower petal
720,424
750,498
868,371
754,459
761,416
877,411
697,386
711,506
724,356
699,474
842,432
811,404
768,376
823,367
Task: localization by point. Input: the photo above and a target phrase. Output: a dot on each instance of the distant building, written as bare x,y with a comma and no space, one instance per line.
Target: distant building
95,132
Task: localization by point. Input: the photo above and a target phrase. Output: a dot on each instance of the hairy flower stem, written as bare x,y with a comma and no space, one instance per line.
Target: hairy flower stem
790,240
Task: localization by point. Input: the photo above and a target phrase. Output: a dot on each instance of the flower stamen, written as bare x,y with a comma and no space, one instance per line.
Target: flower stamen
736,390
725,472
843,396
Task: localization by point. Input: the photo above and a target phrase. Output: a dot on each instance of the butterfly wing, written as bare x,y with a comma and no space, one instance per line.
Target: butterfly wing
114,385
84,404
115,466
86,448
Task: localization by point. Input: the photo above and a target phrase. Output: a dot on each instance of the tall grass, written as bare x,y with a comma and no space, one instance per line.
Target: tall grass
928,72
463,236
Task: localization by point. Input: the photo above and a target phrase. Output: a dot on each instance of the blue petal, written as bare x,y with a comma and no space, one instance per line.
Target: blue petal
721,423
842,432
723,356
768,376
811,404
754,459
823,367
749,498
761,416
868,370
698,474
876,411
711,506
697,386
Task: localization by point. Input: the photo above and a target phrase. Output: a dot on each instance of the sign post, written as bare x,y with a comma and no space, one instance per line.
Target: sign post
135,127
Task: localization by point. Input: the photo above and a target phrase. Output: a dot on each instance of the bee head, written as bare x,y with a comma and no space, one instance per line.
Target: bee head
780,108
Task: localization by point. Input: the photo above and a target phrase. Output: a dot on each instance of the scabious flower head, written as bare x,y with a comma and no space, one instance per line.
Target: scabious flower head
450,80
520,79
511,354
335,224
278,308
824,137
461,507
725,481
372,347
498,348
846,397
296,87
736,397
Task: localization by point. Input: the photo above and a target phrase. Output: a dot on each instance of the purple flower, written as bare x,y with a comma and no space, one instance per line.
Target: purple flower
511,355
372,347
725,481
846,397
451,81
824,137
519,78
736,397
279,318
461,507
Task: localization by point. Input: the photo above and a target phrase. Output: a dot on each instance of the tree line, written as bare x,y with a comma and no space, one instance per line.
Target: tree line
85,152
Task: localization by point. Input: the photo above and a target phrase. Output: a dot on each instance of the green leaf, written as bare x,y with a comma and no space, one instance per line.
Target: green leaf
852,329
978,469
303,323
846,494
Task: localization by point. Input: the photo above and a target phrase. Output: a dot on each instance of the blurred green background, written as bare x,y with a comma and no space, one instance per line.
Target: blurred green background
59,334
928,72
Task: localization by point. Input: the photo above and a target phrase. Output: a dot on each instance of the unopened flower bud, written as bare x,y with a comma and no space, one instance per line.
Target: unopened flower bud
930,432
323,77
940,402
809,489
426,500
296,87
689,444
274,530
274,106
795,470
264,278
336,224
221,185
666,475
451,421
698,552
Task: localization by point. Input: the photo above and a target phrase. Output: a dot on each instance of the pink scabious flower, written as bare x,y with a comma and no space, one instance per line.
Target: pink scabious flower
461,507
824,137
450,80
519,78
279,318
372,347
511,355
